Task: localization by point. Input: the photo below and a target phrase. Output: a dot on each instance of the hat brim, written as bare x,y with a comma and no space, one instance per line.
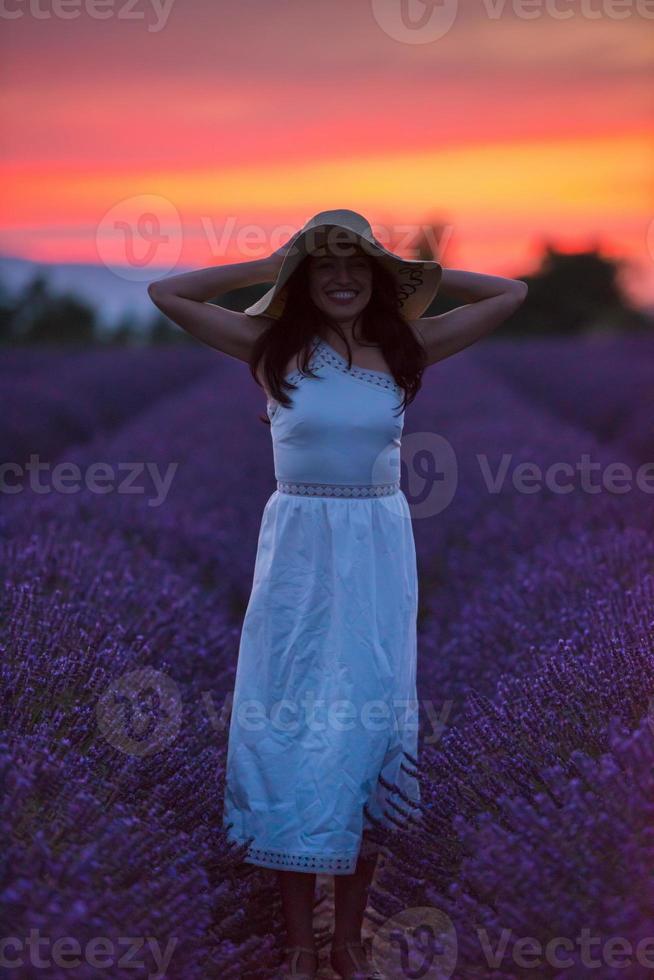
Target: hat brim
417,280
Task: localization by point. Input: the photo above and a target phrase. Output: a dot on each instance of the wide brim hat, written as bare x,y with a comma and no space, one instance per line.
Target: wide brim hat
417,280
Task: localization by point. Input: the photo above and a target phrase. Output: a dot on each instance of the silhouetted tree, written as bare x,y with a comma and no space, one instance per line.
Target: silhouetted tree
7,313
31,304
124,332
574,293
65,319
569,293
161,330
39,316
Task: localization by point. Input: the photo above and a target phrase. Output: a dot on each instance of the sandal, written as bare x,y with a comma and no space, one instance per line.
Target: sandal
366,974
292,966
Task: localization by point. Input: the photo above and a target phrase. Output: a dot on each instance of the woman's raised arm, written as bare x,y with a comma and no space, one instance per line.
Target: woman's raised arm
183,299
489,301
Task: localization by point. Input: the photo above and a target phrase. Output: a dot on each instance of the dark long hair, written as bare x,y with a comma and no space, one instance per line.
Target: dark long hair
380,323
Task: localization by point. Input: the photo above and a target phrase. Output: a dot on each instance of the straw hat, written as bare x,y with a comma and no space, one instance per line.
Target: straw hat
417,281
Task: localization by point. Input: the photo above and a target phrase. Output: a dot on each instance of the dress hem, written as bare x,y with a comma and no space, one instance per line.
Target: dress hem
265,857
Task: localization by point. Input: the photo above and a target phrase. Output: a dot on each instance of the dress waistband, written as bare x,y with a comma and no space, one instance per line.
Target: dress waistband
338,489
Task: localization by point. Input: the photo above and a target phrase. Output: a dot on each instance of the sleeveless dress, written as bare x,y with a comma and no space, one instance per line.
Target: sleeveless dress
324,703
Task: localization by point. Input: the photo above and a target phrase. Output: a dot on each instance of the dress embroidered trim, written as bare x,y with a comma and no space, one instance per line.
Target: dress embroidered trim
339,490
324,354
380,379
301,862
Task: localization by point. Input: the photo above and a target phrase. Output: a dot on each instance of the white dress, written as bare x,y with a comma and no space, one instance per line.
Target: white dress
325,691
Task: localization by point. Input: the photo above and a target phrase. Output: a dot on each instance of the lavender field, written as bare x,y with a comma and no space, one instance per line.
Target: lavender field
121,612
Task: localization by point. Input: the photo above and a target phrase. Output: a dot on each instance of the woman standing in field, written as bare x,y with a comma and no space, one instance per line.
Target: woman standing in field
328,645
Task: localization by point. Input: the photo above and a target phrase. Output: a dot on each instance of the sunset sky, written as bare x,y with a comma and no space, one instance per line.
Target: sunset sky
154,135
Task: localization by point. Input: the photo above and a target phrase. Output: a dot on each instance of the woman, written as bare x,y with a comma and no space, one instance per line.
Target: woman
339,346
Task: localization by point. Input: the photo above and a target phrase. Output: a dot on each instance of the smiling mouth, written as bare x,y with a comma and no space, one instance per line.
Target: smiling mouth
342,295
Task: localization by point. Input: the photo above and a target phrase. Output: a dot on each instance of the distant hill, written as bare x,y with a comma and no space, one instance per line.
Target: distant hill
565,285
111,295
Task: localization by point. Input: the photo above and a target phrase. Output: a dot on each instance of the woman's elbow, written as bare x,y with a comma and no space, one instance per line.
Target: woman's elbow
520,289
156,291
516,293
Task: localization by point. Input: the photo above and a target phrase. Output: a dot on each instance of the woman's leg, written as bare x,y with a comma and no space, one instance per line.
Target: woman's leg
350,900
297,891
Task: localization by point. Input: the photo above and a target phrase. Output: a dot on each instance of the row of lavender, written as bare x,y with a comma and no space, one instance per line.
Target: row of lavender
108,585
525,597
538,802
52,400
602,383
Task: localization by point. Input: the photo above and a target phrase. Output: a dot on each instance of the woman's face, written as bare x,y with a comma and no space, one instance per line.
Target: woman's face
340,285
